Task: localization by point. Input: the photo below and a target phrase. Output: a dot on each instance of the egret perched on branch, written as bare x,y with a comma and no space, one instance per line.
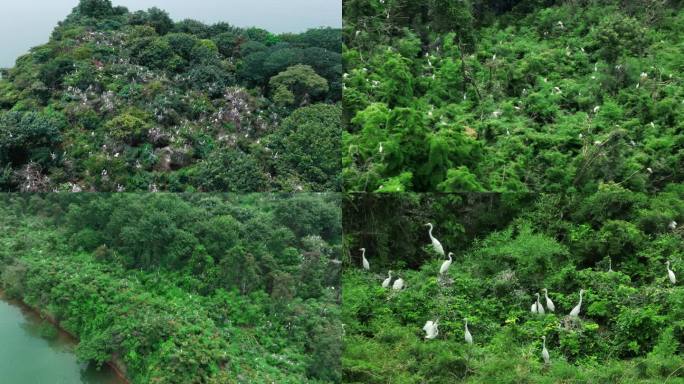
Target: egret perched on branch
549,303
431,330
446,264
398,284
670,273
576,311
545,352
672,226
467,336
386,282
364,261
435,243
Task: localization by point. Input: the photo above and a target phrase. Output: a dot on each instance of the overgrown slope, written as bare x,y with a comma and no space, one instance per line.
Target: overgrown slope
132,101
552,96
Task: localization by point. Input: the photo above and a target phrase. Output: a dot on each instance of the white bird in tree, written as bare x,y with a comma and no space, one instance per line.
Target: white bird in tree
576,311
364,261
672,226
545,352
549,303
540,307
467,336
670,273
398,284
446,264
435,243
431,330
610,264
386,282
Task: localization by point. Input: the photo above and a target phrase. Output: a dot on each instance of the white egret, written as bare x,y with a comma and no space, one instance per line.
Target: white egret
670,273
596,109
435,243
610,265
446,264
431,330
576,311
545,352
549,303
540,308
398,284
386,282
672,226
533,309
467,336
364,261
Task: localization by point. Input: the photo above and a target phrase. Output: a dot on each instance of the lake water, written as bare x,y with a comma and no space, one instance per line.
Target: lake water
33,351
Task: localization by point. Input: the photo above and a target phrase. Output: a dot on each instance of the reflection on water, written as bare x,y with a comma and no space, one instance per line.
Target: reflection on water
33,351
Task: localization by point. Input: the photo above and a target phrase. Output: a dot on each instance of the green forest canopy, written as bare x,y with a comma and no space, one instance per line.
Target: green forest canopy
541,96
184,288
132,101
507,248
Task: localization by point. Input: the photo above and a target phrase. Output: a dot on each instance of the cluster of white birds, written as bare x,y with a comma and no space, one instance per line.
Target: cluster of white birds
431,327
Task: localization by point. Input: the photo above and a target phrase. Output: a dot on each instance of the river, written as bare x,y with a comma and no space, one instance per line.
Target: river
33,351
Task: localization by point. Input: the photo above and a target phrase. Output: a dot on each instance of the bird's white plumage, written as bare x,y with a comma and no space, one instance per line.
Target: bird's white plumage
670,274
545,352
431,329
466,335
540,308
576,311
435,243
386,282
398,284
549,303
366,264
445,265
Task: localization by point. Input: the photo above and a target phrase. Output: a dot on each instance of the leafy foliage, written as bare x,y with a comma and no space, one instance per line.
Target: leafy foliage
539,96
134,101
184,288
507,247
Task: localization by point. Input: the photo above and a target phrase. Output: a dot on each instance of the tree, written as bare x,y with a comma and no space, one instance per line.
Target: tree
95,8
298,85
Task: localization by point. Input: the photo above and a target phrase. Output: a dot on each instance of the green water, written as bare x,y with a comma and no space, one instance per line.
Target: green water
33,351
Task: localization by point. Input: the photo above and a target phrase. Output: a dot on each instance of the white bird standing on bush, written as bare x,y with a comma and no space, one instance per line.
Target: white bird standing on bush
364,261
672,226
540,307
386,282
545,352
446,264
576,311
670,273
549,303
467,336
431,330
398,284
435,243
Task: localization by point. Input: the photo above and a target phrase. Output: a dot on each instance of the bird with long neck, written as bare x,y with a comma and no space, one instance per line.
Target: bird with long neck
549,303
466,335
670,273
364,261
435,243
386,282
545,352
446,264
540,308
576,311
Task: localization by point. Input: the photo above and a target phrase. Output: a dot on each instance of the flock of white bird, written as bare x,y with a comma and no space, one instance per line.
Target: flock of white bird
431,327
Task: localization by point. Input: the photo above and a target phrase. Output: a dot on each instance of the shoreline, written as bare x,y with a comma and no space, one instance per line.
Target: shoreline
22,305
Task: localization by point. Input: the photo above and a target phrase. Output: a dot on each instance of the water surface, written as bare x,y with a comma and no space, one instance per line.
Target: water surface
33,351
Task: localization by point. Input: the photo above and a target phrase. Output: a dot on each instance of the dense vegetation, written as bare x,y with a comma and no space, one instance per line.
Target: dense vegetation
184,288
133,101
512,95
613,243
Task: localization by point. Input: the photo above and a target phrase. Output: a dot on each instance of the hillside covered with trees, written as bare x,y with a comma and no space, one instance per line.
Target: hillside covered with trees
133,101
184,288
614,244
512,95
